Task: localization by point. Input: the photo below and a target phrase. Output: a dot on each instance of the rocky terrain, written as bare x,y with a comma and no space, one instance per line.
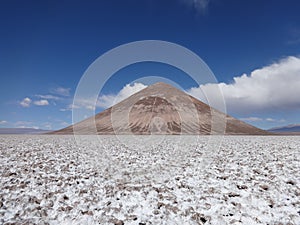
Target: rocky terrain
186,180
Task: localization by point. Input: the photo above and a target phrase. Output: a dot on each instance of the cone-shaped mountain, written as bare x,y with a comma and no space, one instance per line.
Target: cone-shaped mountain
161,109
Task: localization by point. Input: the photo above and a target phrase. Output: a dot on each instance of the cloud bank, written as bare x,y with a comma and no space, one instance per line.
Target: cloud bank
274,87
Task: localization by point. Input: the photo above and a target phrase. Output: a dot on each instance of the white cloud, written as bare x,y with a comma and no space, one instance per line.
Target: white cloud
34,127
251,119
41,102
106,101
270,120
199,5
3,122
26,102
62,91
257,119
276,86
49,97
275,120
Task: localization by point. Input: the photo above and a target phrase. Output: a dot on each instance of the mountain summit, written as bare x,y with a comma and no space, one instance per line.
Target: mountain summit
161,109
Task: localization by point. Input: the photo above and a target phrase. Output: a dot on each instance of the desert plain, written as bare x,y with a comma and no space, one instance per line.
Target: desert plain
59,179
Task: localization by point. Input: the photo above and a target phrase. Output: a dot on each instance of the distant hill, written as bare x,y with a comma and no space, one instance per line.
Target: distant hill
22,131
292,128
161,109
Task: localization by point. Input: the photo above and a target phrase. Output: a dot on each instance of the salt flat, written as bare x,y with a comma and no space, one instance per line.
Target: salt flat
161,180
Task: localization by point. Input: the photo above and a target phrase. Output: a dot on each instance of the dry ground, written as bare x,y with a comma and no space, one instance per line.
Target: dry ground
162,180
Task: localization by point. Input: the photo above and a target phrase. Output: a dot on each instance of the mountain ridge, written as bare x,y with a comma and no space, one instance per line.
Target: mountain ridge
287,128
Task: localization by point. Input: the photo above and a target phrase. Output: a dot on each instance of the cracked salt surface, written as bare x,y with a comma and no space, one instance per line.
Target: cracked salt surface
52,180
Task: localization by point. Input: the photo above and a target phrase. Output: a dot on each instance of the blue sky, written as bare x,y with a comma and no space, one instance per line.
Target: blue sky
252,47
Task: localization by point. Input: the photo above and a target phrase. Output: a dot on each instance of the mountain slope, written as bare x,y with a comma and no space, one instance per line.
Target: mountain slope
162,109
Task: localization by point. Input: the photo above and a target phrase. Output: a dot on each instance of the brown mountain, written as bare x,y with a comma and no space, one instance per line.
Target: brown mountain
162,109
